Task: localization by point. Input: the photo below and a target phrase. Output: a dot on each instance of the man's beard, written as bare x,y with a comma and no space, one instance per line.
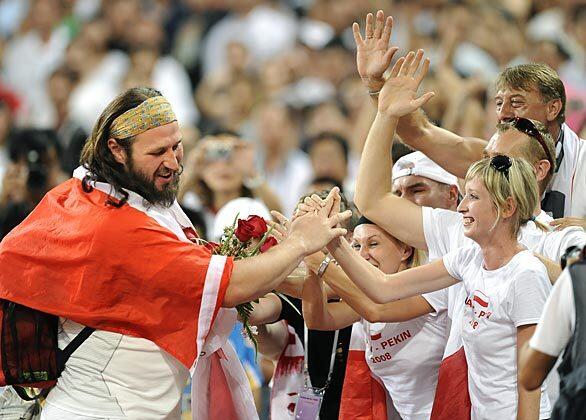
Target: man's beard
139,183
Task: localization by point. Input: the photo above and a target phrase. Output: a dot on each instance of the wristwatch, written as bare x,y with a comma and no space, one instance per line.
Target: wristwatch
324,265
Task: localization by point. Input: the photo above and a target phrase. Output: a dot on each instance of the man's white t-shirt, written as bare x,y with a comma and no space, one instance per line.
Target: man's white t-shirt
406,357
557,322
565,193
116,376
497,303
578,204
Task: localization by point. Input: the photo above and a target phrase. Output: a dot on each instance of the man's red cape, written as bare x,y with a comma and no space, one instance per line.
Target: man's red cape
113,269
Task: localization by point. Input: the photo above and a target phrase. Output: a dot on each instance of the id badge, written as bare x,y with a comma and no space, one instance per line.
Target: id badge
308,404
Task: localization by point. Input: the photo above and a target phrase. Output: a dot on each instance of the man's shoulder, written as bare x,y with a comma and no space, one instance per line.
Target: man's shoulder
552,243
98,213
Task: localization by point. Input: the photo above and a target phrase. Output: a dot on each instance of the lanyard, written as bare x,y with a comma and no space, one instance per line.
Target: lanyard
306,358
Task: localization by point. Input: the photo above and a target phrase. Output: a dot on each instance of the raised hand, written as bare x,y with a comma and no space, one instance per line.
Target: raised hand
316,228
315,202
280,229
398,96
373,55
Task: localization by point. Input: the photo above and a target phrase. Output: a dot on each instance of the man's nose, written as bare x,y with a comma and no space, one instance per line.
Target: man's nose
171,161
505,111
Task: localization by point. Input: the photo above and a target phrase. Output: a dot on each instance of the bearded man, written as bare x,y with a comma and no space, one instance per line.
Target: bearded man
112,250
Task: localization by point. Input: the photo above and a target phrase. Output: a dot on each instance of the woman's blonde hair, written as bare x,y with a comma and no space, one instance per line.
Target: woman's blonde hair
506,177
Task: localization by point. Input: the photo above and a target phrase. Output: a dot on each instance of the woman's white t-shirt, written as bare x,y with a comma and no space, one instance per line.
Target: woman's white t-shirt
498,302
406,357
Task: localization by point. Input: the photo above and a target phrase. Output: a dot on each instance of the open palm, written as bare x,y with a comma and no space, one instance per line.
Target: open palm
398,96
373,55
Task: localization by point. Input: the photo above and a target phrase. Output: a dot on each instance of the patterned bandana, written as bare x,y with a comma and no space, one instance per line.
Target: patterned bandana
152,113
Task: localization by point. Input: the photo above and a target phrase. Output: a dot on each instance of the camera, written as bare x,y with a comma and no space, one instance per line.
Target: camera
33,147
218,150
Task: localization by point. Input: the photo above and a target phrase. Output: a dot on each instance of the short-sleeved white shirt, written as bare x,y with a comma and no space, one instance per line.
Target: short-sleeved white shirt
406,356
557,322
565,193
497,303
444,232
578,204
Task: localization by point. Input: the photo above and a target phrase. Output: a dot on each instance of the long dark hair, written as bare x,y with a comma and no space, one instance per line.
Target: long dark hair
97,158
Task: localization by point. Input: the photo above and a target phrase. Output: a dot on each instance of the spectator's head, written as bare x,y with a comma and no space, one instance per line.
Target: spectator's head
275,127
147,34
532,91
501,195
121,15
527,139
380,249
61,84
45,15
37,150
420,180
221,178
329,156
326,117
324,183
136,145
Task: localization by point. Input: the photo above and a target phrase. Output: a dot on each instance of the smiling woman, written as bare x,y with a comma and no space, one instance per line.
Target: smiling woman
405,340
505,284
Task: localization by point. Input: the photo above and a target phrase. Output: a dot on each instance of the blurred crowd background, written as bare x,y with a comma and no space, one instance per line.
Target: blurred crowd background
275,80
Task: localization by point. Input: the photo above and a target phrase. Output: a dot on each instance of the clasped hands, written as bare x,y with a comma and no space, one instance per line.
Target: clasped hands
313,208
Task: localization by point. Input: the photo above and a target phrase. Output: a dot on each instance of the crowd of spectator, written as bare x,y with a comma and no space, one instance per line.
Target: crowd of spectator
271,83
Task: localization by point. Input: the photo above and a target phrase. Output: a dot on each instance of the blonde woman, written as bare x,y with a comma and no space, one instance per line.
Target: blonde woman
405,339
506,285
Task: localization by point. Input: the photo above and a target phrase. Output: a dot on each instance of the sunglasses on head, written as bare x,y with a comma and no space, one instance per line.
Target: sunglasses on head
527,127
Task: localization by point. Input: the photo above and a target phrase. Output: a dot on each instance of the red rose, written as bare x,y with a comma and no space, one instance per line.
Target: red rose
253,227
268,244
213,247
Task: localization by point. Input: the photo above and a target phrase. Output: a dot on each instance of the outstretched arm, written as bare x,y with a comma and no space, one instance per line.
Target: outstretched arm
529,401
373,56
384,288
398,216
321,315
398,311
256,276
452,152
266,310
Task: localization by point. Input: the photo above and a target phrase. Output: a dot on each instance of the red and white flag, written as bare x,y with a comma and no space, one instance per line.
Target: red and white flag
364,397
288,378
452,399
129,270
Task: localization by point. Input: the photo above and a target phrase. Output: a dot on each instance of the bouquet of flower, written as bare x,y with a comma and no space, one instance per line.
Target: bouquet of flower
243,239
